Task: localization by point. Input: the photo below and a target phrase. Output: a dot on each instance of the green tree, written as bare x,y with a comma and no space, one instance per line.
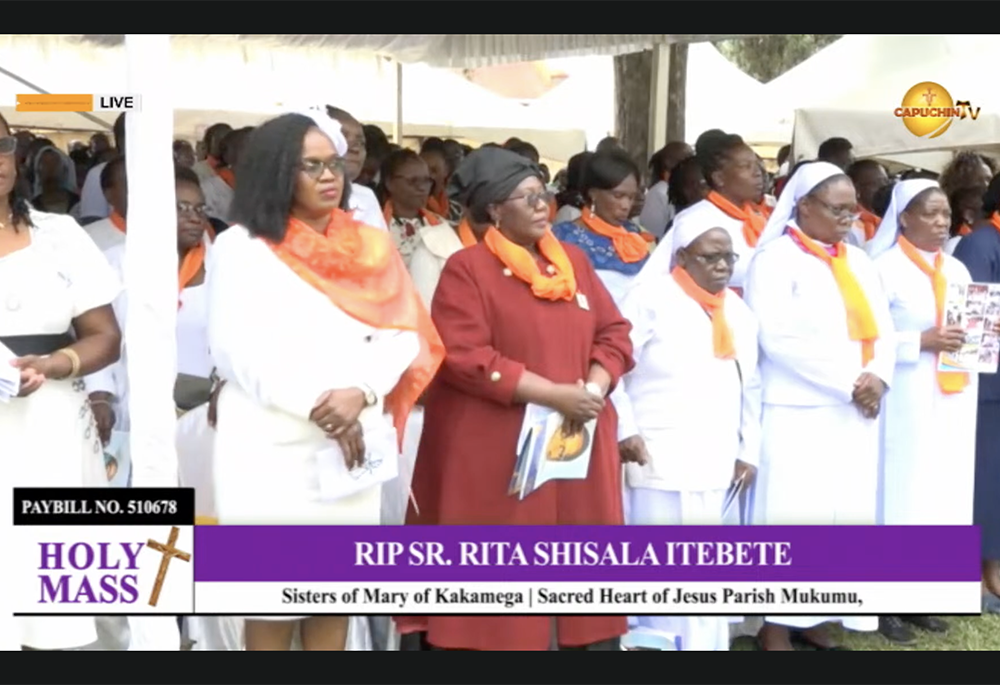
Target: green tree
768,57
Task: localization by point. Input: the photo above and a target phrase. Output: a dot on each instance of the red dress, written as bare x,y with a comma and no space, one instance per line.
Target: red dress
493,329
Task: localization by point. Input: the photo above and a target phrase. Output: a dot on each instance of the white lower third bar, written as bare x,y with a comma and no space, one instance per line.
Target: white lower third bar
724,599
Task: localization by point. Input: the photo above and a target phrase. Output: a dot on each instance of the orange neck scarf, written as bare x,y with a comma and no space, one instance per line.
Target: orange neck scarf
631,247
389,213
118,221
227,175
950,382
964,230
861,324
465,233
995,220
359,269
869,223
553,210
763,209
561,285
714,305
439,204
753,219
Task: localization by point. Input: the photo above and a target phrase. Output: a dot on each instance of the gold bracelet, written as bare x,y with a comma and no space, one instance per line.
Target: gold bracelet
74,360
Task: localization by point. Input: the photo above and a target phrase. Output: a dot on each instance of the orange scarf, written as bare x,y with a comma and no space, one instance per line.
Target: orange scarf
950,382
118,221
861,324
869,223
714,305
631,247
964,230
559,286
762,208
465,233
192,262
360,270
553,210
753,220
430,218
439,205
995,220
227,175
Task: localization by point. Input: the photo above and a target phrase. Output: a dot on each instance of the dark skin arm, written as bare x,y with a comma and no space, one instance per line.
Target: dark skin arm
98,345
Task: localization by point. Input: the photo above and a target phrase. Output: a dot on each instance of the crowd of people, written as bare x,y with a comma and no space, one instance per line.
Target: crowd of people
729,330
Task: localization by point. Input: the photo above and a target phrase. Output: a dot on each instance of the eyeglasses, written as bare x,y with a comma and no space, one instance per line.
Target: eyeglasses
729,258
8,145
850,212
314,168
190,208
533,199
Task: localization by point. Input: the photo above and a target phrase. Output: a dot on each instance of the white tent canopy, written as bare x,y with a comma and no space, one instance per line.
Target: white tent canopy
851,88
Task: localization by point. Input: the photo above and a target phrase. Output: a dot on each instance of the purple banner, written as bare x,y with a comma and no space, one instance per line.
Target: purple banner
586,554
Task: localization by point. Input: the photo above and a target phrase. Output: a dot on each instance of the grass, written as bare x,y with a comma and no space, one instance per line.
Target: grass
967,634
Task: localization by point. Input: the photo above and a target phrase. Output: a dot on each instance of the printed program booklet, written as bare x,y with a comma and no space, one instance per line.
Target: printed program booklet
546,453
976,308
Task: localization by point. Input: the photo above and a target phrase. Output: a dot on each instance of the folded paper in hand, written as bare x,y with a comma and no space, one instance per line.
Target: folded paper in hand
545,454
10,377
381,464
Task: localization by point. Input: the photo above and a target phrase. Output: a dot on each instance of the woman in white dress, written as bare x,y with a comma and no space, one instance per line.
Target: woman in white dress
317,330
929,423
56,291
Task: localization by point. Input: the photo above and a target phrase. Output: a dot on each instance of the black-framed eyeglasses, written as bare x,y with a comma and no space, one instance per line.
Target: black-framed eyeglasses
533,199
314,168
8,145
850,212
729,258
191,208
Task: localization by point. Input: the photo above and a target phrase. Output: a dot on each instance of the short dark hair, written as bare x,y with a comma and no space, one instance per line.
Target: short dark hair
685,169
231,142
882,199
831,147
432,144
658,163
991,199
783,152
268,170
184,175
109,171
375,138
957,199
524,149
606,171
213,137
713,152
859,167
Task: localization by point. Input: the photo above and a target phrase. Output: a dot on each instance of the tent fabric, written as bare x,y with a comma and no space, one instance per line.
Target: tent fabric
450,50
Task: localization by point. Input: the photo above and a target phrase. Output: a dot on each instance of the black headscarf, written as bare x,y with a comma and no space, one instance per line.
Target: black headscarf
488,176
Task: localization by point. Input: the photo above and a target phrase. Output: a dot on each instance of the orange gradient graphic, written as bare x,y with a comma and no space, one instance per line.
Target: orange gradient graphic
44,102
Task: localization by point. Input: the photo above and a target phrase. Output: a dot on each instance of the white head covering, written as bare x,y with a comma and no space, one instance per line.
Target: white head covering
67,179
331,127
802,182
689,225
902,195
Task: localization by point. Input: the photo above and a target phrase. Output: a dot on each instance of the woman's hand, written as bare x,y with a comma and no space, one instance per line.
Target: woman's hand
104,414
575,403
745,473
337,410
946,339
633,451
868,391
33,370
352,443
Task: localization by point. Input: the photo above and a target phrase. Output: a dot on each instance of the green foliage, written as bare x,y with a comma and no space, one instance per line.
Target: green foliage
768,57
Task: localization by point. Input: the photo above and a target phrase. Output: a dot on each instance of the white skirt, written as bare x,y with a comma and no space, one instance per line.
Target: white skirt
54,433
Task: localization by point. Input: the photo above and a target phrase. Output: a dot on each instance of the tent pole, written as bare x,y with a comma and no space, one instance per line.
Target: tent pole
659,91
397,129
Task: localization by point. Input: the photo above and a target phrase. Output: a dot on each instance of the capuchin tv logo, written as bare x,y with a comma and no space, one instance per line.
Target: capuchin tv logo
89,573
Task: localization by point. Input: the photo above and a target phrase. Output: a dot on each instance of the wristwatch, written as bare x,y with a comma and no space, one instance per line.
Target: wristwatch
371,399
594,389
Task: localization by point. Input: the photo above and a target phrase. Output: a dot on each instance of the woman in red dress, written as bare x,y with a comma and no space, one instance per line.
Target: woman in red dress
524,319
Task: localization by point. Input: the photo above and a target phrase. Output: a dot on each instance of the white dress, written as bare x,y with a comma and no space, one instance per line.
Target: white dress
928,438
105,234
266,469
698,415
819,455
43,287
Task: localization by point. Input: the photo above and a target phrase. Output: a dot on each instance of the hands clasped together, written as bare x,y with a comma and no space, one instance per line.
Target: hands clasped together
336,413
